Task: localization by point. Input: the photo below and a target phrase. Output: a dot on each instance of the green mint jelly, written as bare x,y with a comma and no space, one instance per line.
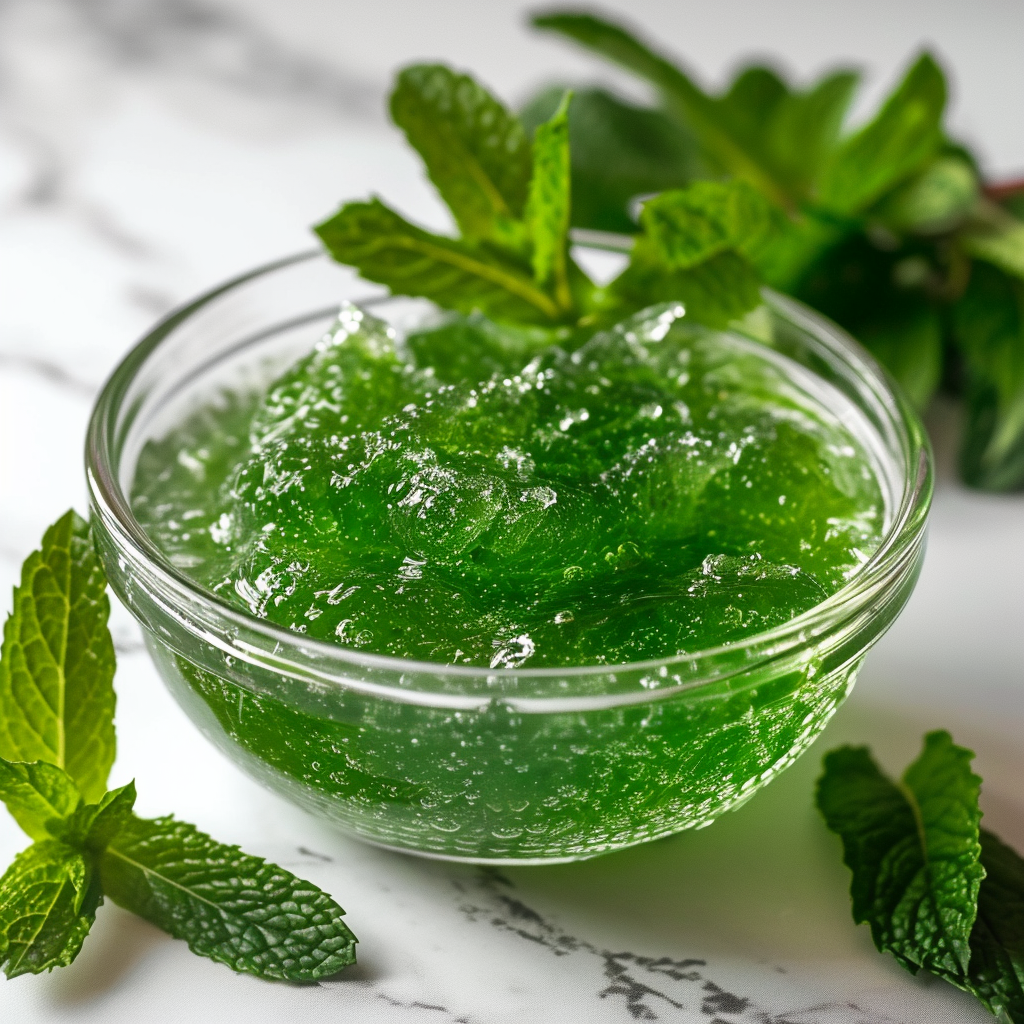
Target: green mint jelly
469,495
476,495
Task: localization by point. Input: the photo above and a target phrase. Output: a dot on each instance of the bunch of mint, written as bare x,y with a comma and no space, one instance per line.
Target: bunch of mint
57,746
509,195
939,892
887,229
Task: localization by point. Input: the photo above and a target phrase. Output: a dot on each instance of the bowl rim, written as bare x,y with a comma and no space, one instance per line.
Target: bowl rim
894,553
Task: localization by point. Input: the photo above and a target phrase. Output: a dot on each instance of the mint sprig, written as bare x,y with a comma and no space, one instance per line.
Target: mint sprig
938,892
511,198
989,322
57,702
883,228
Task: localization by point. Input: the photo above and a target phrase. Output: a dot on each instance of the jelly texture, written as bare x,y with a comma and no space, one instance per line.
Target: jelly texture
477,495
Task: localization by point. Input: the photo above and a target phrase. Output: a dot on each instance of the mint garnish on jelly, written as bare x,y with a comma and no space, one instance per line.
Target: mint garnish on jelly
510,198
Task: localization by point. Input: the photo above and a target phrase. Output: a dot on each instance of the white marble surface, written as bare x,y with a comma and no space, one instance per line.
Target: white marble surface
149,148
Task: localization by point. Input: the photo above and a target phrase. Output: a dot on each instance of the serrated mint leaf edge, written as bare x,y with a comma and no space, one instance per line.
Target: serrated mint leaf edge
549,204
32,807
614,42
443,251
77,734
15,889
115,859
493,209
850,850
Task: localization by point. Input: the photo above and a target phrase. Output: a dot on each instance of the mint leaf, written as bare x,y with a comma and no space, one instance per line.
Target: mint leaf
36,794
547,209
619,151
714,293
907,339
904,135
1002,245
801,133
93,826
57,661
866,290
386,248
996,973
685,227
790,134
48,900
913,850
942,195
690,250
753,99
988,330
476,152
795,249
760,130
697,109
236,909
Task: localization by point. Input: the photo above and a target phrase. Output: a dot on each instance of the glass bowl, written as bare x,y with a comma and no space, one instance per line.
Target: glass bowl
499,766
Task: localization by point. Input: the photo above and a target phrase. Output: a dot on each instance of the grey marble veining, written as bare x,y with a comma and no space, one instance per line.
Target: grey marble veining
148,149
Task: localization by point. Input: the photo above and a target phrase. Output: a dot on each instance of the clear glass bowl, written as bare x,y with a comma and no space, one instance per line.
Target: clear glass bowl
470,763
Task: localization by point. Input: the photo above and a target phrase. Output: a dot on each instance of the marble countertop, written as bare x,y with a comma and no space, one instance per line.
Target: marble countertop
149,148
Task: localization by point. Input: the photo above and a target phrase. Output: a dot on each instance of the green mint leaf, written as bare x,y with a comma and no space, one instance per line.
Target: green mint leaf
751,102
878,296
715,292
790,134
996,972
907,339
112,815
57,661
794,248
236,909
386,248
93,826
48,901
691,250
1013,202
697,109
687,226
1001,245
935,201
619,151
476,152
547,209
800,135
903,137
988,330
37,794
913,850
619,45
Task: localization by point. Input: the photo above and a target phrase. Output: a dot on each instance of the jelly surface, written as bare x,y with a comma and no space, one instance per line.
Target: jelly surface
467,494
